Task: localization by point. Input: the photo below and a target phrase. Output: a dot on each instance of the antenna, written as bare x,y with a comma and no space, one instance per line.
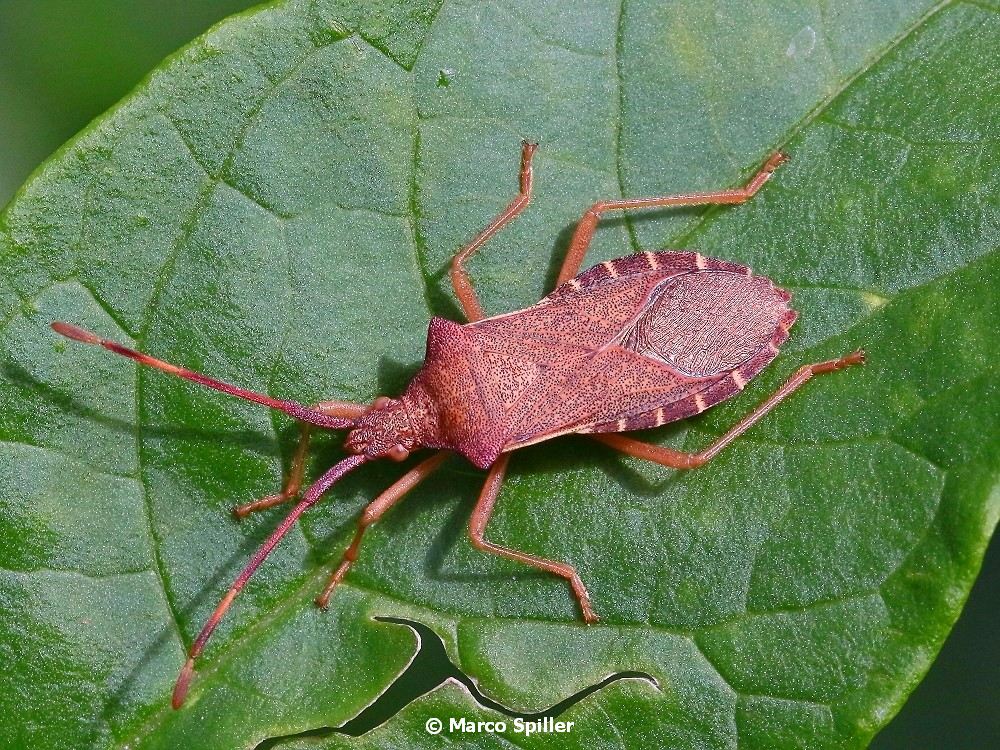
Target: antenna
292,408
312,494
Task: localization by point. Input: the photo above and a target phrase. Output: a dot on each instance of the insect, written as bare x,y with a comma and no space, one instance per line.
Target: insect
629,344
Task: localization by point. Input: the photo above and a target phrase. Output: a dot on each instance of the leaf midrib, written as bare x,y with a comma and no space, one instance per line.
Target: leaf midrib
422,262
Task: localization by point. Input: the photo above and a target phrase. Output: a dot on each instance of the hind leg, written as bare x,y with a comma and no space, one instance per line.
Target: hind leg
680,460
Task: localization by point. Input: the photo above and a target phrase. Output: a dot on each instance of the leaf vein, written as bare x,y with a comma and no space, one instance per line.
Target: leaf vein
166,272
816,112
47,570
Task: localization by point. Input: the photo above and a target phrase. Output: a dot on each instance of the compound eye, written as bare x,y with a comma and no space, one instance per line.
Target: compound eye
398,453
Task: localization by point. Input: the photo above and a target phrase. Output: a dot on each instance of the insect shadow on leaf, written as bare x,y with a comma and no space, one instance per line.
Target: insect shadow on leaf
630,344
250,440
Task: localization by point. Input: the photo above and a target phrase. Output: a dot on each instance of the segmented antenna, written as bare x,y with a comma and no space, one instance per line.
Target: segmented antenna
293,409
310,497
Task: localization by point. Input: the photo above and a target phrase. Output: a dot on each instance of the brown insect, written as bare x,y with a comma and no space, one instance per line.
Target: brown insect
630,344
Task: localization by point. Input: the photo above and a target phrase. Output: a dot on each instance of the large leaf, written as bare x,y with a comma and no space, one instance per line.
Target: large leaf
277,204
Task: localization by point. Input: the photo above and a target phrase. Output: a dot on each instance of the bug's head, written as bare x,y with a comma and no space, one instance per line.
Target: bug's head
384,431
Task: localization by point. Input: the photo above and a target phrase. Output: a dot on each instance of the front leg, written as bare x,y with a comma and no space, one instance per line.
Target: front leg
292,486
373,512
459,277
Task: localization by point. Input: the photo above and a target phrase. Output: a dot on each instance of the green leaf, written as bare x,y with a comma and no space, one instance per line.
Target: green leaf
276,205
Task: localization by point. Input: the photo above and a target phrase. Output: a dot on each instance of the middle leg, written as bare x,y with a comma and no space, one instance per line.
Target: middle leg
477,528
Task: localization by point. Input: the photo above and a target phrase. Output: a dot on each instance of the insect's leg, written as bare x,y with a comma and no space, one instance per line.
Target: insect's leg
680,460
292,485
294,482
373,512
343,418
588,222
477,527
459,278
311,496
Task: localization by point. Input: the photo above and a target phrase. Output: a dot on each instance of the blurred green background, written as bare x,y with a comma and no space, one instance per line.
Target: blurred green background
63,62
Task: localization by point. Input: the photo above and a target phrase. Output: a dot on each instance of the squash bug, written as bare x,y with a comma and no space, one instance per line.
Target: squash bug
630,344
